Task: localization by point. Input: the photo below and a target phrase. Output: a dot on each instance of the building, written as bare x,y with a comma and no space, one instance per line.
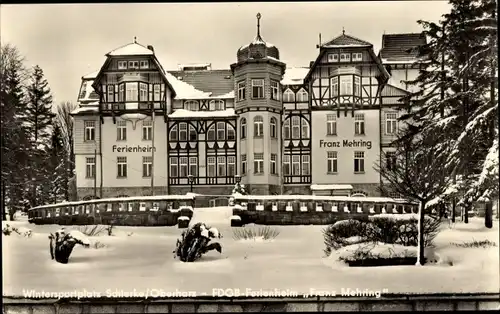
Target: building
320,129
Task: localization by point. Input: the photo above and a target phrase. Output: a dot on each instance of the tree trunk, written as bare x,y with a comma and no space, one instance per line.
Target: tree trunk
453,209
466,212
488,215
4,208
421,244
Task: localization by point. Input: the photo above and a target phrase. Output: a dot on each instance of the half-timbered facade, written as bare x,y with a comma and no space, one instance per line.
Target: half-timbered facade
320,129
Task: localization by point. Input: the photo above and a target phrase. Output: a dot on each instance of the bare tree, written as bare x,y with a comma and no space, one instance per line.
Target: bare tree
65,122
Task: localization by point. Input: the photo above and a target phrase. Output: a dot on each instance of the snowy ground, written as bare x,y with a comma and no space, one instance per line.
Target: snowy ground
293,261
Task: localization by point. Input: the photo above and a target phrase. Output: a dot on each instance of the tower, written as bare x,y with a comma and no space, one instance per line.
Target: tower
257,76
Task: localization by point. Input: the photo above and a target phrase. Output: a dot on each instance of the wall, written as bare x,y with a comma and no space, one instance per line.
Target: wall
345,155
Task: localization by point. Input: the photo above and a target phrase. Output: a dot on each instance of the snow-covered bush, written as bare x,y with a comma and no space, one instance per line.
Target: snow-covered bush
375,250
476,244
336,235
7,230
264,233
98,245
62,243
23,231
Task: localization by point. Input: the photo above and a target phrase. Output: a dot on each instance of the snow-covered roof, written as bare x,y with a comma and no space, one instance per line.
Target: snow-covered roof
132,49
91,75
206,66
291,198
185,90
344,40
319,187
226,96
156,198
294,76
182,113
257,41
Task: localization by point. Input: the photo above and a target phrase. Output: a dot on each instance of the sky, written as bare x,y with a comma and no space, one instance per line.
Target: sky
70,40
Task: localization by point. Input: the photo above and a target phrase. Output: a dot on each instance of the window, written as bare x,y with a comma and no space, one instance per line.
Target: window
357,86
295,127
359,162
111,93
305,128
334,86
296,165
182,132
230,133
275,90
258,163
122,167
258,126
144,64
147,166
390,160
331,158
359,124
288,96
241,91
273,128
305,165
174,167
183,167
345,57
121,130
231,166
221,166
147,130
133,64
191,105
121,92
211,133
346,85
89,130
391,122
211,167
221,131
193,166
174,134
193,136
302,96
131,92
333,57
286,129
216,105
143,96
243,126
257,89
243,164
357,56
331,124
286,165
273,164
122,65
90,167
156,96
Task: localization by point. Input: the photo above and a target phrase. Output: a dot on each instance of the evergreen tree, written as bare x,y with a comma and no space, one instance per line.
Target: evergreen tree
65,121
57,167
38,122
13,140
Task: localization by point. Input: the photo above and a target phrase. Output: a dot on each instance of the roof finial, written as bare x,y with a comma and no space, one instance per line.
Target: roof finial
258,26
343,30
135,40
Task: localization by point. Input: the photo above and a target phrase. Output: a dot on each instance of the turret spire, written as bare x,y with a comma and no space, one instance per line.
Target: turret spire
258,38
135,39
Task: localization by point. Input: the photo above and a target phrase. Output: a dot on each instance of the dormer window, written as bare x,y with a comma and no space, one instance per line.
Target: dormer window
345,57
144,64
191,105
357,56
133,64
333,57
122,65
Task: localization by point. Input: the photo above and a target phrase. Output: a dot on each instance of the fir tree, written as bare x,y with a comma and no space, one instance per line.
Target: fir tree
57,167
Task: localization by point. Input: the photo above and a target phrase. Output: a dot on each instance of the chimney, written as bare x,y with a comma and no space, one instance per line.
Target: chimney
151,48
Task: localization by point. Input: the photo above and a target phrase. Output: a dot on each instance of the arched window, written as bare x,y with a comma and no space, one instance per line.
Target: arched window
243,128
302,96
305,128
358,194
211,133
193,135
286,129
273,127
216,104
191,105
258,126
174,134
288,96
231,134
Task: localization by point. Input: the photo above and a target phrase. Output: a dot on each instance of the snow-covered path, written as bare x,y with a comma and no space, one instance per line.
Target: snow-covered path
293,261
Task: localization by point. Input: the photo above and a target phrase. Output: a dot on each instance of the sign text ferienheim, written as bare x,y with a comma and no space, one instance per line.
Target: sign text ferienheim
346,143
133,149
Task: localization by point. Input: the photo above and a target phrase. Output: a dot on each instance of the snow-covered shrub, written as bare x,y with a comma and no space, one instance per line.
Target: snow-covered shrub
336,235
476,244
62,243
375,250
98,245
7,230
23,231
92,231
264,233
239,189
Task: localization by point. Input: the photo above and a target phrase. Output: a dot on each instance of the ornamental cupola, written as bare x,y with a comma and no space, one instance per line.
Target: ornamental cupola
258,48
